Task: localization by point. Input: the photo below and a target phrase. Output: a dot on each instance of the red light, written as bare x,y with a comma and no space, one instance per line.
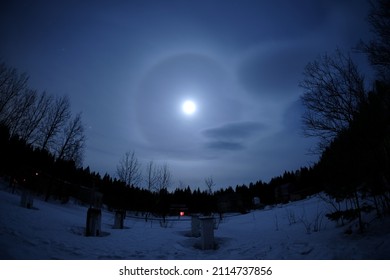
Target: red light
181,213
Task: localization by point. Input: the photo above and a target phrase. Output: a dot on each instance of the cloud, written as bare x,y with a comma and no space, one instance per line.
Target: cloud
225,145
232,136
234,131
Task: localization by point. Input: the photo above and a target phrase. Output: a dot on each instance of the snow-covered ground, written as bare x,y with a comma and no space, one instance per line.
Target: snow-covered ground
297,230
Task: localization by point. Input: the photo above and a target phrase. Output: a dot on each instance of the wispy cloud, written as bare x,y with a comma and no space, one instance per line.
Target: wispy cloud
225,145
234,131
232,136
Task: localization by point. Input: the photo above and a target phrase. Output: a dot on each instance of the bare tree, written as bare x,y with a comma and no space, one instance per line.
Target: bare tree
209,181
72,141
333,91
12,85
34,117
25,113
18,109
164,178
57,117
151,176
128,169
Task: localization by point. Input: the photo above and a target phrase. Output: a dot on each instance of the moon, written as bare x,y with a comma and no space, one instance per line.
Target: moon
188,107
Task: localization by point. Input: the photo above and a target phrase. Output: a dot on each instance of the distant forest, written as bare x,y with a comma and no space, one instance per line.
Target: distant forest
41,145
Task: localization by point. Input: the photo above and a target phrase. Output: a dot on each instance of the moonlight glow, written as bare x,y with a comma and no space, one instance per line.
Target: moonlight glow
189,107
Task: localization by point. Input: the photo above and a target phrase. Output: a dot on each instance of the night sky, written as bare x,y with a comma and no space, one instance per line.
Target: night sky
128,66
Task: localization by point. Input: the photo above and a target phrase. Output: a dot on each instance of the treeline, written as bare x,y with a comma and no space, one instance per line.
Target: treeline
241,198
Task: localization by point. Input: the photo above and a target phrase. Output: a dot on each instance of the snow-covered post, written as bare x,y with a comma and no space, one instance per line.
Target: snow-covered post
207,235
195,225
26,199
119,219
94,221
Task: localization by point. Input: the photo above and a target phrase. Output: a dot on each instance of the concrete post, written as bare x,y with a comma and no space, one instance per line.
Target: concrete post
207,233
119,219
94,221
26,199
195,225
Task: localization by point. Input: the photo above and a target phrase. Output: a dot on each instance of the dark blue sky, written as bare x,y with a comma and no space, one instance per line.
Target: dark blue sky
129,65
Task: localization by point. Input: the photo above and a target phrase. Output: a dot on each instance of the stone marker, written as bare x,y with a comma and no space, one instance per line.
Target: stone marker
94,221
207,233
26,200
119,219
195,225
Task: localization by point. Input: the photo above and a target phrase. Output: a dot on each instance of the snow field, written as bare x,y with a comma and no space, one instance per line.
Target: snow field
294,231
